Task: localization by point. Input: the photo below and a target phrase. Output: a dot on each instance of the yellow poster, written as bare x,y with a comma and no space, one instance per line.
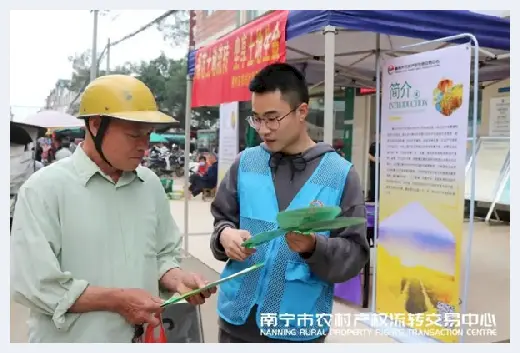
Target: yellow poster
228,137
421,210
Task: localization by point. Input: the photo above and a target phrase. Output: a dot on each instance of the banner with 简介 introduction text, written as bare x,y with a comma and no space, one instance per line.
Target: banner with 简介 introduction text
424,124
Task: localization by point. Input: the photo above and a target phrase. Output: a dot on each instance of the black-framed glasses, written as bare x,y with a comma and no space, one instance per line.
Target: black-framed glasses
271,122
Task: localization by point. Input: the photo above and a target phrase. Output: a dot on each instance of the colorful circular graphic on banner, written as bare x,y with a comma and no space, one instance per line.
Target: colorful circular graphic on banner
447,97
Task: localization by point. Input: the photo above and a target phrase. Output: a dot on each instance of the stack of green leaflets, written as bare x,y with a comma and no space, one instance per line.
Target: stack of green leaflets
176,299
306,221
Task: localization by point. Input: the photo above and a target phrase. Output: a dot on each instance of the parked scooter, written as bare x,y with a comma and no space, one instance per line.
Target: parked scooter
178,164
157,163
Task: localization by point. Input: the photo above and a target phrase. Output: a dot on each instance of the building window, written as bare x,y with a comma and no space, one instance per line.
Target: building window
252,14
208,13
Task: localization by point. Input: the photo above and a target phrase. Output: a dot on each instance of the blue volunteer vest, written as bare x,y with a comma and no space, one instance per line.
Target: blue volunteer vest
293,304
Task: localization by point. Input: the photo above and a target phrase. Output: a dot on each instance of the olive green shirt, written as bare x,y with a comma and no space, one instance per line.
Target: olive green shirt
73,226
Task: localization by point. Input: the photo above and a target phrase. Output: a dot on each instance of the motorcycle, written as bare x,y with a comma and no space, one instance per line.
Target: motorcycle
157,163
177,165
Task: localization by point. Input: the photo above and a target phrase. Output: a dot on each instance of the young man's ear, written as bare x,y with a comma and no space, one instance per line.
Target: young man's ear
303,111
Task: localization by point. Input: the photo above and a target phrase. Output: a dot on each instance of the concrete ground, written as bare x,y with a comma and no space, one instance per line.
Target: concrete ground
489,281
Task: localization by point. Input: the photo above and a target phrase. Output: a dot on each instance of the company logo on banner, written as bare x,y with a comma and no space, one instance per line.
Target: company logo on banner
424,114
224,69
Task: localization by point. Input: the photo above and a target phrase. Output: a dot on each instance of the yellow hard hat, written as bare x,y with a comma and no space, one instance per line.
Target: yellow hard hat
122,97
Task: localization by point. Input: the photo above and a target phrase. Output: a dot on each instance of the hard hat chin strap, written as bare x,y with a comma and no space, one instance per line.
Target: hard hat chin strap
98,139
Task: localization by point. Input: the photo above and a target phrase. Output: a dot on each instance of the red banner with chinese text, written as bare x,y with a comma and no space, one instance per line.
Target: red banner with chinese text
224,69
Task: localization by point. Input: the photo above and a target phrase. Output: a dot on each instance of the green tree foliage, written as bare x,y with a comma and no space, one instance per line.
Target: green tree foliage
81,70
166,77
176,28
167,80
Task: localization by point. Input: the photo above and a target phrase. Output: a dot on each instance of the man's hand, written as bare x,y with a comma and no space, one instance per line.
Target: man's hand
179,281
231,240
138,306
191,281
301,243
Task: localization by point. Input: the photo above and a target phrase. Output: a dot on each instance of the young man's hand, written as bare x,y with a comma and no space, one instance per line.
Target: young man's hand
301,243
232,240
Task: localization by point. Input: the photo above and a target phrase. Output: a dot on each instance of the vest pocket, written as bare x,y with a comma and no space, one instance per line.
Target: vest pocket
301,292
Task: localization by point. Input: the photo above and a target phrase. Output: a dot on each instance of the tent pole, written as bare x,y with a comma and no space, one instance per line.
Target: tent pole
330,50
366,142
503,56
187,147
378,144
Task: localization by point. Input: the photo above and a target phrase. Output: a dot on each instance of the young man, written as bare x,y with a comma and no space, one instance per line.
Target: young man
93,239
287,171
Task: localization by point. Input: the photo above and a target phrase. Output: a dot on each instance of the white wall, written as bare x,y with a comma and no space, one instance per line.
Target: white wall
488,93
363,119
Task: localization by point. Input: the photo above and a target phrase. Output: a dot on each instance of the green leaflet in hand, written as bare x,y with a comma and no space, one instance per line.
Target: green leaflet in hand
294,218
327,225
262,238
176,299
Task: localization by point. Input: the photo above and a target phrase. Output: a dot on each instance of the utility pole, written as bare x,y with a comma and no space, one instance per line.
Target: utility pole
108,57
93,67
187,134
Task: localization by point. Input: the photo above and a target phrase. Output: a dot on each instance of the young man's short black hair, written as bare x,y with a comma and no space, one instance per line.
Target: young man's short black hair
284,78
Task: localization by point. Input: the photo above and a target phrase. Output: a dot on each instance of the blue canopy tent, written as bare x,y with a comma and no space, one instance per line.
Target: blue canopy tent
492,32
355,39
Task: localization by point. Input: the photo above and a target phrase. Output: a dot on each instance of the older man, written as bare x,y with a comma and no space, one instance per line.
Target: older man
93,239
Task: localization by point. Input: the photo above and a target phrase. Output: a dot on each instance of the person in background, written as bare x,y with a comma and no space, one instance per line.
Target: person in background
206,181
287,171
45,152
62,149
372,159
93,240
49,152
38,150
37,159
338,146
203,165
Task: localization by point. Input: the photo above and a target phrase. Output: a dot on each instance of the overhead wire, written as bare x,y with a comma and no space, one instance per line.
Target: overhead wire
112,44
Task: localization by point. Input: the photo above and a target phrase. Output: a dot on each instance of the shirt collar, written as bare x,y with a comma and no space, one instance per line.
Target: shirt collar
86,169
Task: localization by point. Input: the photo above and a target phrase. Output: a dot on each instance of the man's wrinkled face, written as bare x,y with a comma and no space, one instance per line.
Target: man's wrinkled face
277,123
125,142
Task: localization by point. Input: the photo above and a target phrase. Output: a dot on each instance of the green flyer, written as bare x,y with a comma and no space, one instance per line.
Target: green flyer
306,220
176,299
